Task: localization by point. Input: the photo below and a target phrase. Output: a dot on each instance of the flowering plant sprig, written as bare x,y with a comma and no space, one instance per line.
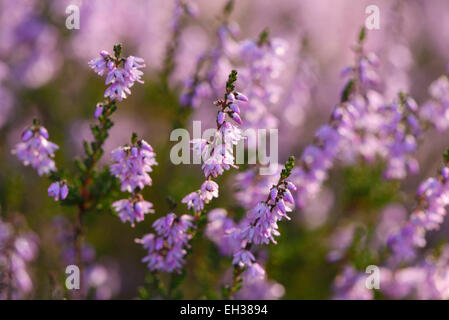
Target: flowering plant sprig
218,154
433,197
121,74
364,127
132,165
427,276
169,246
90,190
260,227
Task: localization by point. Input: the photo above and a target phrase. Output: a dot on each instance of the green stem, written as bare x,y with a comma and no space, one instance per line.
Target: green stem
94,152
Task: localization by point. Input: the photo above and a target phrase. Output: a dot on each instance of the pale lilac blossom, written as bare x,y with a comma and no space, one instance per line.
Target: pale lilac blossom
132,165
36,150
167,248
121,73
132,210
58,190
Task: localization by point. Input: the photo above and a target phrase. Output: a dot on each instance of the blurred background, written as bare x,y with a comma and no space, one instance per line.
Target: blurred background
44,74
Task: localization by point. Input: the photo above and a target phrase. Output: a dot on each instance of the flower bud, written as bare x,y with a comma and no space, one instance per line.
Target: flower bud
241,97
220,118
273,193
288,197
236,118
43,132
235,108
27,135
98,111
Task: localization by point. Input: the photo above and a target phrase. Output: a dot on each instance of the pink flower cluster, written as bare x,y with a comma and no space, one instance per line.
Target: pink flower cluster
121,73
132,165
36,150
217,154
132,209
167,248
433,196
260,226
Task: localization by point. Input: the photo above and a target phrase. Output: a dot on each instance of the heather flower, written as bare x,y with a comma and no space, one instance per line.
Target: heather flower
121,73
433,194
194,200
98,110
219,229
260,226
209,190
263,218
362,125
243,258
256,285
36,150
132,210
220,160
167,248
58,190
400,130
217,155
133,165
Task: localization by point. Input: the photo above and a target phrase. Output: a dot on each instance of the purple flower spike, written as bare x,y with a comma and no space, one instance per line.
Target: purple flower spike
167,248
273,193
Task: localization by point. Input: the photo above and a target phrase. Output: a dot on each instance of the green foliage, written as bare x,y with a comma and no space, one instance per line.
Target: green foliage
230,86
349,87
365,188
